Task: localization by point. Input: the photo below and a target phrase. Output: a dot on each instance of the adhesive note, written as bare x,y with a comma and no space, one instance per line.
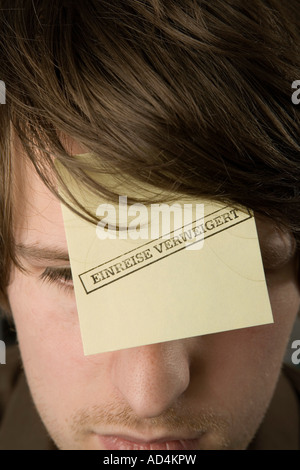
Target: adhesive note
134,287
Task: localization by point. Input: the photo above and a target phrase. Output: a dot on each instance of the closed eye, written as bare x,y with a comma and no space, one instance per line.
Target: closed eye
60,276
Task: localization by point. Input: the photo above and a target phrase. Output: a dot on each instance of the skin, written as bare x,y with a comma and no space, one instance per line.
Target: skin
214,388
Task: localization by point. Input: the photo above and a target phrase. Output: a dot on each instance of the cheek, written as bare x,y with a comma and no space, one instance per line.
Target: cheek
249,360
61,379
47,330
284,294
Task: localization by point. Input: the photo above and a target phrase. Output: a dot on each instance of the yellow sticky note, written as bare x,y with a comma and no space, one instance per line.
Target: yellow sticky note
202,277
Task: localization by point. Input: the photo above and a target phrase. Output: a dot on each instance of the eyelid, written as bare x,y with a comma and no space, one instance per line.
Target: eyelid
60,276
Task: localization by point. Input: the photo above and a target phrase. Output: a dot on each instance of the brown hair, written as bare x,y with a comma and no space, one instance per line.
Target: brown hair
188,95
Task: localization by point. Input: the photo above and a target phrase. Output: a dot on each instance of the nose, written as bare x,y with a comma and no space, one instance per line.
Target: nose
151,378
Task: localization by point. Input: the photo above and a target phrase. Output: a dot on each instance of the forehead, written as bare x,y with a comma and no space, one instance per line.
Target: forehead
38,214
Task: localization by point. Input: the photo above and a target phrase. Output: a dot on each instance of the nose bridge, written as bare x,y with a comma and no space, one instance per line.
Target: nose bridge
151,378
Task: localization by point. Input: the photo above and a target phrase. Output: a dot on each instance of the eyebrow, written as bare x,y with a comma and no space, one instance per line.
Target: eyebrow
40,253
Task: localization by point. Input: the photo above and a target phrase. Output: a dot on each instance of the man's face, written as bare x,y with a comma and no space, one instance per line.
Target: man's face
205,392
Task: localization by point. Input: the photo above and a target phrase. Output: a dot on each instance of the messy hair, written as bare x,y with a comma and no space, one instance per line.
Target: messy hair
191,96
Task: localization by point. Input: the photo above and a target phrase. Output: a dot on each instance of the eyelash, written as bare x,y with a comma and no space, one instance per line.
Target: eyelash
59,276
